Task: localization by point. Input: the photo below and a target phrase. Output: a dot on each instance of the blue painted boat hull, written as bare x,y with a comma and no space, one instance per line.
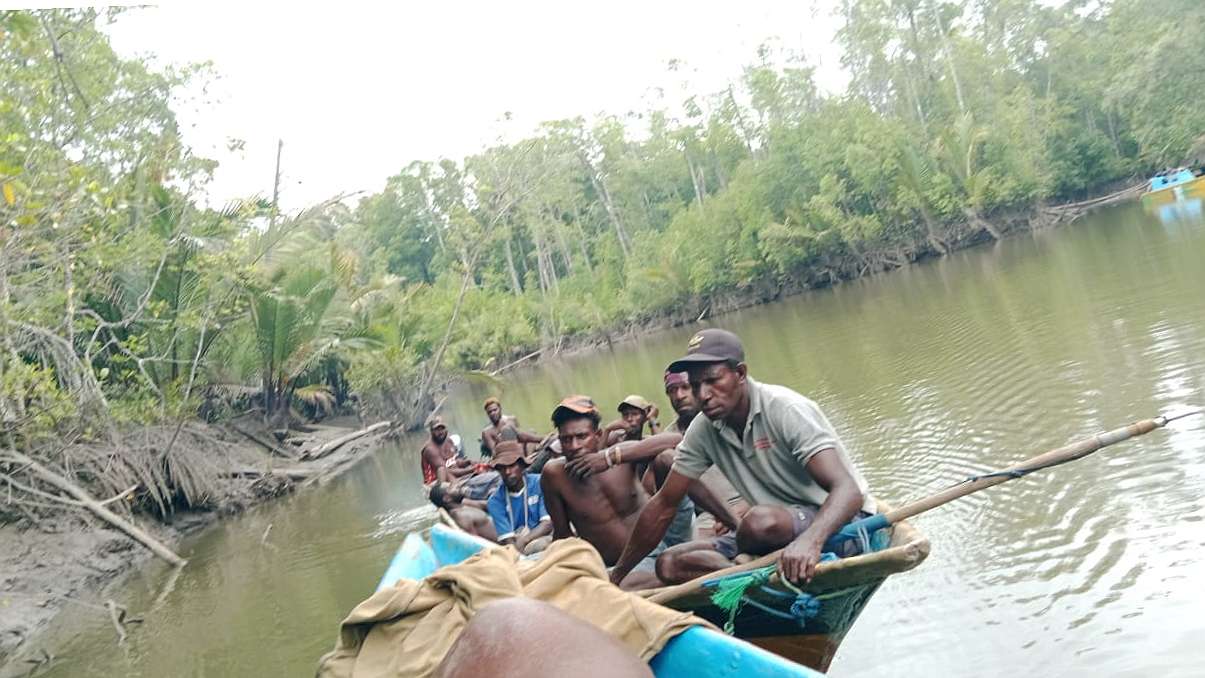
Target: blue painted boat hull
699,652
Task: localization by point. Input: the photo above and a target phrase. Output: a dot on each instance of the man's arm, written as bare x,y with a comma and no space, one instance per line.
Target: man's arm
654,427
651,524
436,461
489,438
799,559
630,452
496,508
706,500
553,501
542,530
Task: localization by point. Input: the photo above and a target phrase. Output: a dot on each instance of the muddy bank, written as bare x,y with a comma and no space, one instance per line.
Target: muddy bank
64,562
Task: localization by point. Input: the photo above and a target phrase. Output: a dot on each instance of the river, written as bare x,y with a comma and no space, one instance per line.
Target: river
931,373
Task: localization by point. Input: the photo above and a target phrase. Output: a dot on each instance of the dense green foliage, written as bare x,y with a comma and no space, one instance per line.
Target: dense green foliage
960,121
122,300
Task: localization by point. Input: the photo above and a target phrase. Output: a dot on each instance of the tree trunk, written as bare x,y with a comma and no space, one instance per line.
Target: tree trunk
600,185
443,344
516,286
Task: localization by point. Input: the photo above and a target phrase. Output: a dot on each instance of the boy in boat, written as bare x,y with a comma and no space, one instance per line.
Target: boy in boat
682,400
600,494
776,448
441,459
517,506
468,513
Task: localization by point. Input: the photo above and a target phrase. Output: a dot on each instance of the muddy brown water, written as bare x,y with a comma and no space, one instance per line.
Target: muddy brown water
931,373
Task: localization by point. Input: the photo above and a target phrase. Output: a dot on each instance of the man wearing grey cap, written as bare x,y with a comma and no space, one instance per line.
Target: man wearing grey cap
776,448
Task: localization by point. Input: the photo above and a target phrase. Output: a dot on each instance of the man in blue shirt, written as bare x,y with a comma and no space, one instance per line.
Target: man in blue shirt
517,506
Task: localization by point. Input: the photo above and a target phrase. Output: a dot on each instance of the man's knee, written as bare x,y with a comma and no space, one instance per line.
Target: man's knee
763,529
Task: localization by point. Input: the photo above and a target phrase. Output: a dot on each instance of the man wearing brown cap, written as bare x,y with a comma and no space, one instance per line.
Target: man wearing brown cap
440,459
682,401
776,448
517,506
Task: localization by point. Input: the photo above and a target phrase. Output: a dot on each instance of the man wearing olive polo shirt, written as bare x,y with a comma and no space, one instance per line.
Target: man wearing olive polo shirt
776,448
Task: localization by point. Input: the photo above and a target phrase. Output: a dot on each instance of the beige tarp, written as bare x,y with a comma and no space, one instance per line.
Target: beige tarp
406,630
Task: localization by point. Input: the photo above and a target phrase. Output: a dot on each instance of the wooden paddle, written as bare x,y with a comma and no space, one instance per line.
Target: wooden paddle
1055,457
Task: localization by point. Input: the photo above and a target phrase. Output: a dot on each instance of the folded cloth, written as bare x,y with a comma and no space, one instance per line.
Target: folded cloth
406,629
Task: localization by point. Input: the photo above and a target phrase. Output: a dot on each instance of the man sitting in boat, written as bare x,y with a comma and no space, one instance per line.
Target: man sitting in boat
442,459
776,448
634,413
599,494
682,400
468,513
517,506
502,427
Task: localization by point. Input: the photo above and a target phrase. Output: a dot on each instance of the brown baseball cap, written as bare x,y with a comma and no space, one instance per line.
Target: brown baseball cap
634,401
710,346
506,453
576,403
436,422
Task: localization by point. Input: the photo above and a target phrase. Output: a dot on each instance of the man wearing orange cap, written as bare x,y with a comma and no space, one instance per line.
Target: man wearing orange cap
440,459
599,495
777,449
517,506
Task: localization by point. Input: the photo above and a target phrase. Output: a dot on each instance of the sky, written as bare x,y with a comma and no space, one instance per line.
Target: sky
356,91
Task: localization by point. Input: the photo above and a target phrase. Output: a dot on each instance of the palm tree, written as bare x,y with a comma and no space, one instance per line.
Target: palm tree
292,332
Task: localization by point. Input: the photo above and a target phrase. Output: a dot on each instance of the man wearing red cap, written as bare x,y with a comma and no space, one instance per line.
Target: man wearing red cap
776,448
600,505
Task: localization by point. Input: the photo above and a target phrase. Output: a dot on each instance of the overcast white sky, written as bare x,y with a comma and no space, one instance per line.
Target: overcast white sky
356,91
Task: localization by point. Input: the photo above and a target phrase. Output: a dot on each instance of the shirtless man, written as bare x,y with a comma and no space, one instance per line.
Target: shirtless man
440,458
468,513
600,495
502,427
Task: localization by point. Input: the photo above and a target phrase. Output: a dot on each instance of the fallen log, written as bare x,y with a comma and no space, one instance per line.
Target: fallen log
328,447
293,473
274,449
94,506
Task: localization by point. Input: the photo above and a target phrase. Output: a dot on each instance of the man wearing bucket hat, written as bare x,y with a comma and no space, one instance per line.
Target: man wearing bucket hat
776,448
517,506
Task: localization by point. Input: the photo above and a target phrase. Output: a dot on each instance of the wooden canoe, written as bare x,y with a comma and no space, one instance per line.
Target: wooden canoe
699,652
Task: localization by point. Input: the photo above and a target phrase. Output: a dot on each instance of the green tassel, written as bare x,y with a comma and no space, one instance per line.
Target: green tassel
730,592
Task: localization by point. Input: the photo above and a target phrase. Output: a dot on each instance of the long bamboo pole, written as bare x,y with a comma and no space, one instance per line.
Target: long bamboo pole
1055,457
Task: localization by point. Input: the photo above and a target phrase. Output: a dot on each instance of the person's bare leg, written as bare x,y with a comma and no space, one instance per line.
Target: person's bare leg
637,581
527,638
687,561
765,529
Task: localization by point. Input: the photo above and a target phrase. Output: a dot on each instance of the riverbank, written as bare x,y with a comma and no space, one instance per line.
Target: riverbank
66,561
956,237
